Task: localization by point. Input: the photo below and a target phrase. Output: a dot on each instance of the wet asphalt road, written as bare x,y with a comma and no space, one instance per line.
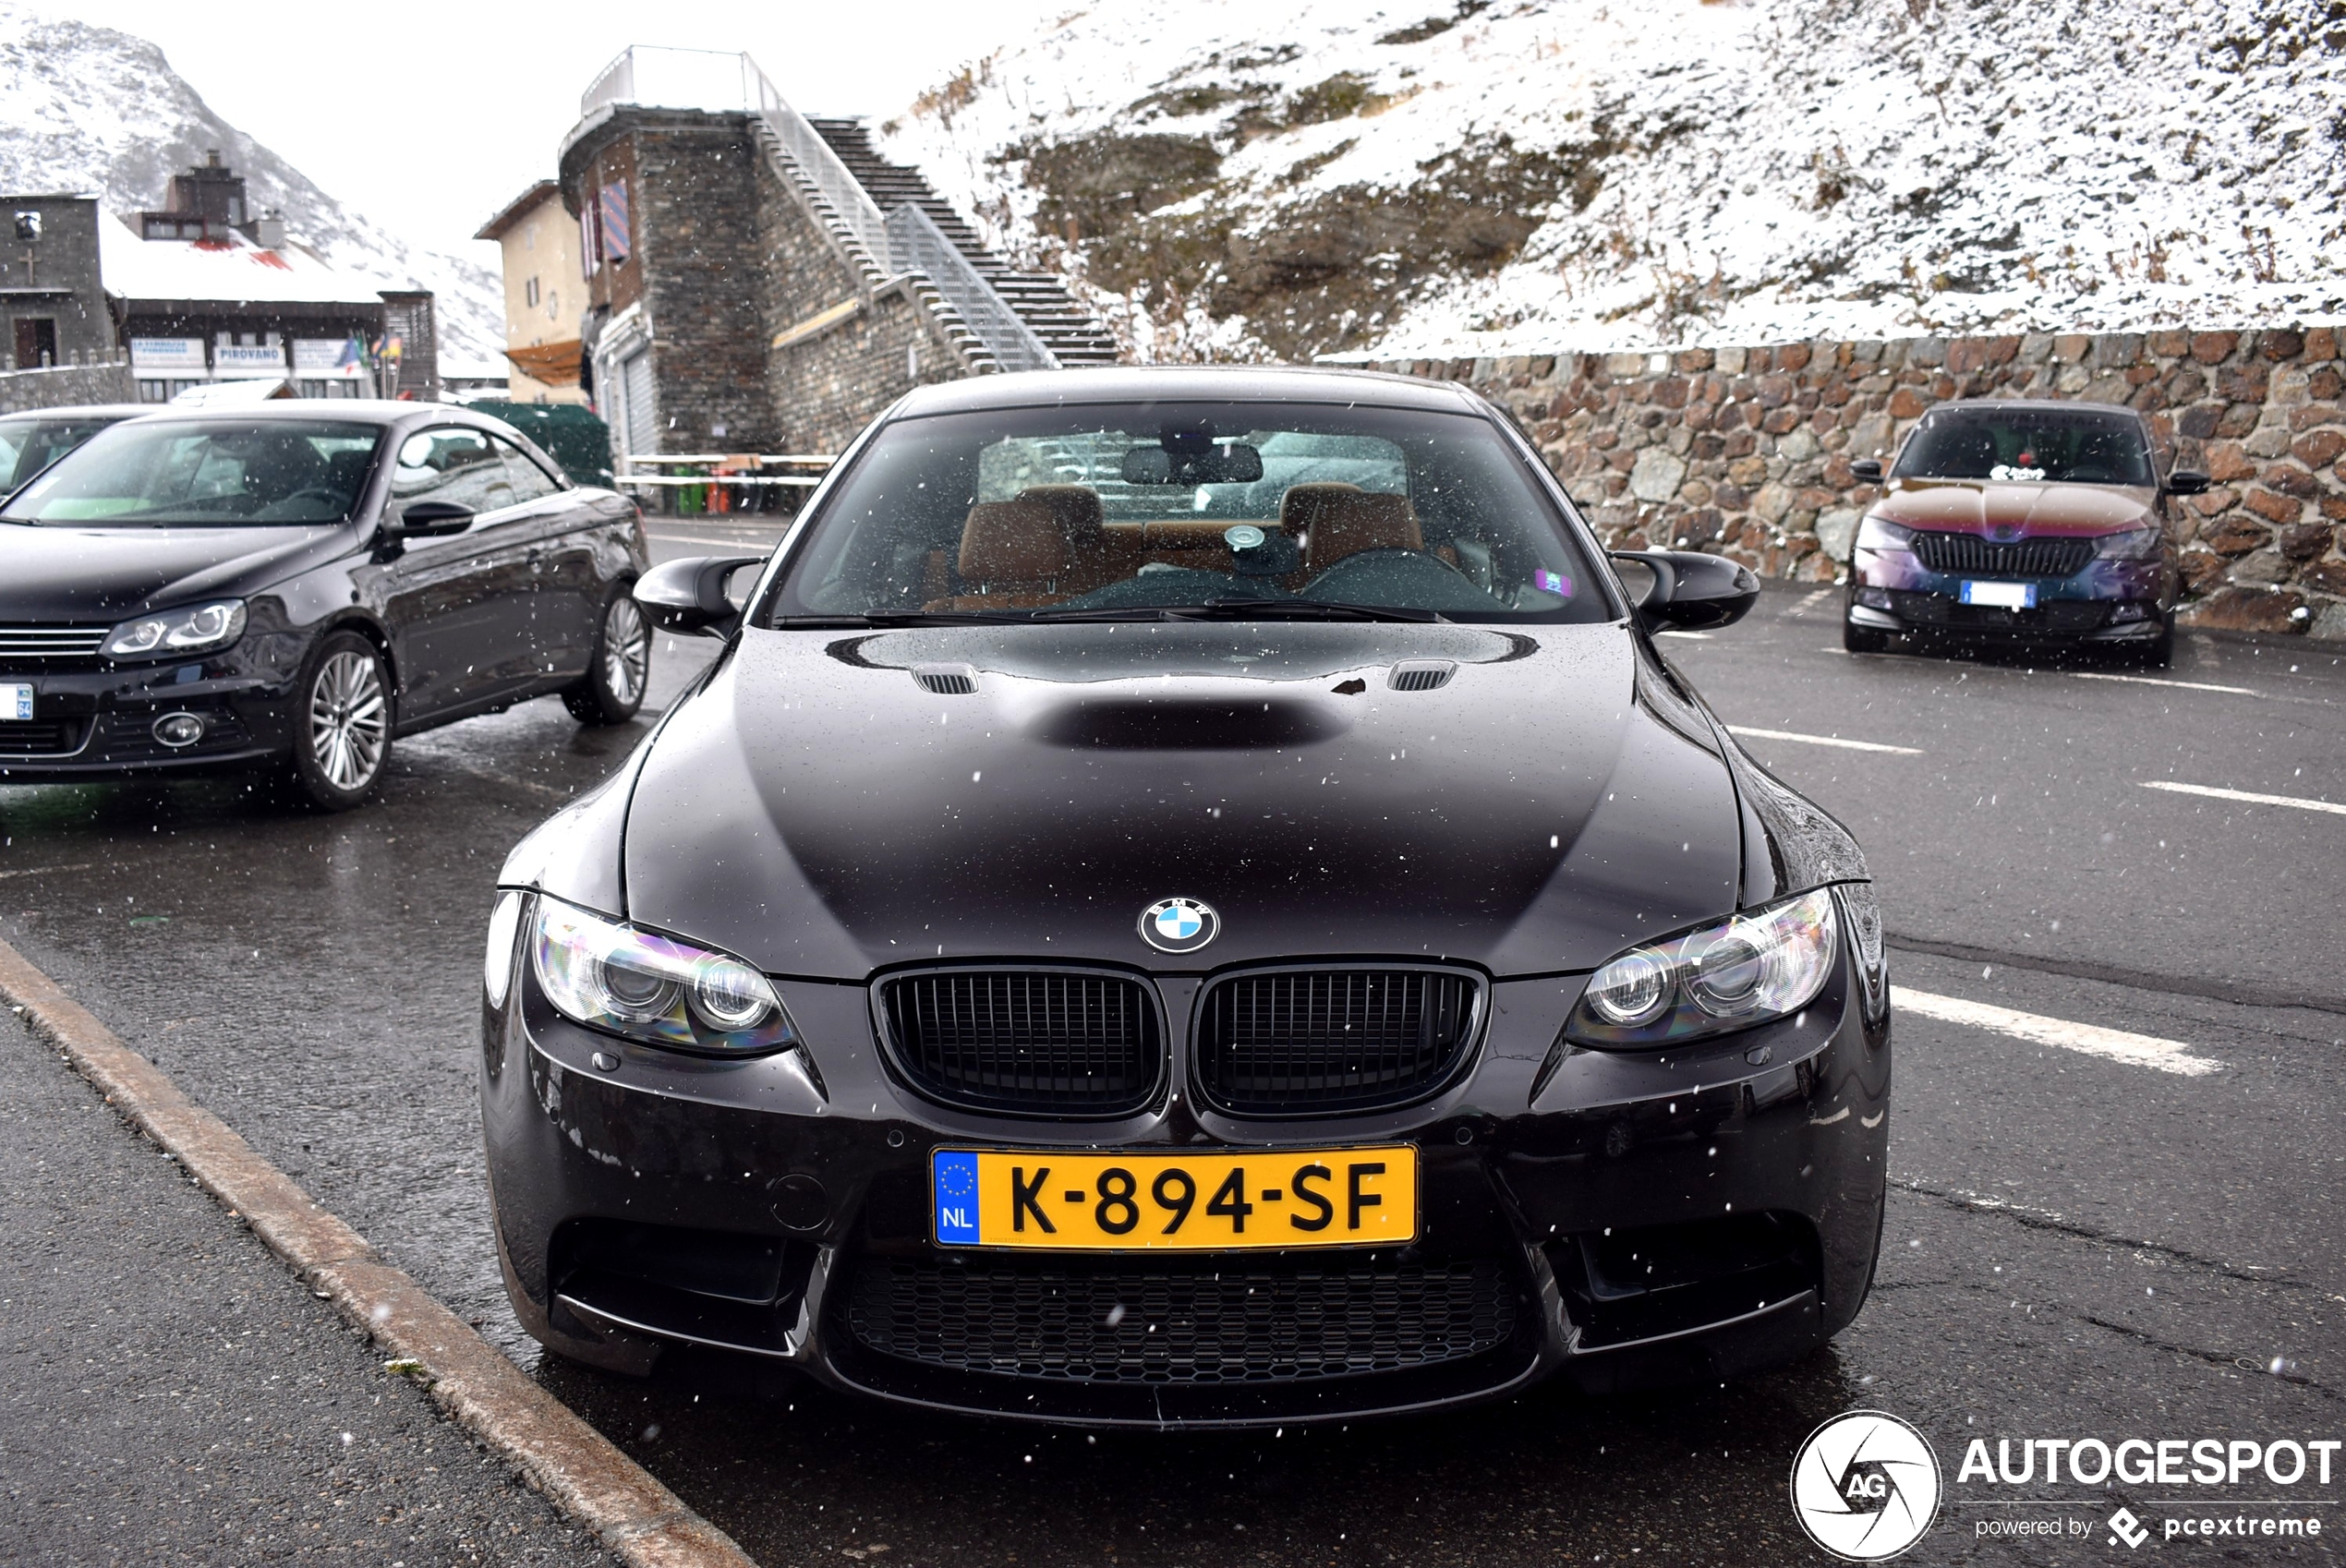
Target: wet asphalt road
2074,1246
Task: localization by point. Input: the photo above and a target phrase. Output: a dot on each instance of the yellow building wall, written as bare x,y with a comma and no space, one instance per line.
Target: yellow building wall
542,246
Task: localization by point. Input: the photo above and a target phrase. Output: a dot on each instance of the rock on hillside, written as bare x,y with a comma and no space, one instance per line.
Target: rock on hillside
89,109
1430,177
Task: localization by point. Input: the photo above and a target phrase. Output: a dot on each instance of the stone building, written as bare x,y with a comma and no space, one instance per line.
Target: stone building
760,281
51,290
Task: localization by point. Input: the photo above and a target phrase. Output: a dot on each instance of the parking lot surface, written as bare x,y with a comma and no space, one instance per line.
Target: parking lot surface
2082,1239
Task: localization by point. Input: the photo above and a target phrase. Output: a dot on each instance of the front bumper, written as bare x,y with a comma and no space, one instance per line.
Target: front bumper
2109,601
1614,1220
98,724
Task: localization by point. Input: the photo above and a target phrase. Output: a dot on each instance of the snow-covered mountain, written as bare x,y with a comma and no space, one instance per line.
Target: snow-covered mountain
89,109
1291,177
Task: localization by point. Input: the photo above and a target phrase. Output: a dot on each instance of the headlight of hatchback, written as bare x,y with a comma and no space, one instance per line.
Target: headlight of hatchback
2131,544
1745,969
200,628
655,989
1877,533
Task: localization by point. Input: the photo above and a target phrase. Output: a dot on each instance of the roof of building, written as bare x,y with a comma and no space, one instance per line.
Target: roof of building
231,269
520,207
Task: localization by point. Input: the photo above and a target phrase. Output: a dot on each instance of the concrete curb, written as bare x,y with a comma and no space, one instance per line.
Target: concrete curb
640,1521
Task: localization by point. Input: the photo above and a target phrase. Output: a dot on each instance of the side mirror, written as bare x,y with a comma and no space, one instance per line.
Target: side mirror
1865,471
2186,482
1692,592
429,520
689,595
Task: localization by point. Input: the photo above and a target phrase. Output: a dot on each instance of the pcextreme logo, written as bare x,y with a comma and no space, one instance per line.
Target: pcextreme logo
1865,1486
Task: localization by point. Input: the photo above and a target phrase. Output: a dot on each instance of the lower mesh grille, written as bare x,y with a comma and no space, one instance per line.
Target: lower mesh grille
1123,1321
1025,1040
1306,1040
40,737
2023,558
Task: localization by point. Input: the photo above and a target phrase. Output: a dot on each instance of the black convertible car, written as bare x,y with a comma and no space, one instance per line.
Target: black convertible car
1189,898
292,587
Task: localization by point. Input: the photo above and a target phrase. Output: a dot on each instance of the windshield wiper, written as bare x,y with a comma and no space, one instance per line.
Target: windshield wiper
888,617
1298,609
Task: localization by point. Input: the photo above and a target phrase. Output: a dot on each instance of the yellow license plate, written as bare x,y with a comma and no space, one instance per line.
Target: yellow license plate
1221,1202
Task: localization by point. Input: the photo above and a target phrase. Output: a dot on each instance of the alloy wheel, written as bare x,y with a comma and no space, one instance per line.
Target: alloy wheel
348,719
627,650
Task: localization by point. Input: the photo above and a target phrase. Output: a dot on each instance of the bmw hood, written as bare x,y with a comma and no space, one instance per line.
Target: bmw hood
833,804
2015,511
88,572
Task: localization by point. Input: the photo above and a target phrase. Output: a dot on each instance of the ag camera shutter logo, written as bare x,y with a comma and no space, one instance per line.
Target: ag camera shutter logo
1865,1486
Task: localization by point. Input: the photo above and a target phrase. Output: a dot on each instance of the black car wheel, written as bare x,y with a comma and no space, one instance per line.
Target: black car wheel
1860,639
612,688
341,723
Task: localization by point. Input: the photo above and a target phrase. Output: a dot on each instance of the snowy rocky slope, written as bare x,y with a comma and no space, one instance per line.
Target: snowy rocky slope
1404,177
89,109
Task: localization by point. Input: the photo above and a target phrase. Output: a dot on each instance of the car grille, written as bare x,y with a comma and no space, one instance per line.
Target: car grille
41,738
1186,1321
50,647
2025,558
1050,1042
1306,1040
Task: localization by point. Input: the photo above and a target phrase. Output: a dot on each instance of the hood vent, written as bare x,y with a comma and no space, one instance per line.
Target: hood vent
947,679
1421,674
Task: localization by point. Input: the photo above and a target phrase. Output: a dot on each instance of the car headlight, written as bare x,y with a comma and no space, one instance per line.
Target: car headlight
1880,533
198,629
1745,969
655,989
2130,544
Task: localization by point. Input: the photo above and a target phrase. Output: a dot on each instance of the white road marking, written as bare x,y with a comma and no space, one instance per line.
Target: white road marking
2155,681
2254,800
1823,740
1690,637
1808,604
666,538
2117,1045
51,870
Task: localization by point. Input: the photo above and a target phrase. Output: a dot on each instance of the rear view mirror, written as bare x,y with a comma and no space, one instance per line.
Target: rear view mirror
1692,592
1865,471
689,595
430,520
2186,482
1236,464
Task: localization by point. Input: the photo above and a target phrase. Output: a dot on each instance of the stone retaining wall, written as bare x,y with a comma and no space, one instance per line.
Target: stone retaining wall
64,386
1746,451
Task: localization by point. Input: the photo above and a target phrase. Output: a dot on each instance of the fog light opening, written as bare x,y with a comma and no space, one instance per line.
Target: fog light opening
178,729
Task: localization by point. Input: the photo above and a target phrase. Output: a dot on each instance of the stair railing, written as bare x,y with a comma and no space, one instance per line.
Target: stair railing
917,244
906,240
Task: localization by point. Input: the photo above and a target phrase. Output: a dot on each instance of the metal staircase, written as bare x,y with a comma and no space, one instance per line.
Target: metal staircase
884,215
1069,330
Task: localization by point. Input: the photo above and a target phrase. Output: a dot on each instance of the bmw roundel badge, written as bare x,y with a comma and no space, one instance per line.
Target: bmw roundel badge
1179,925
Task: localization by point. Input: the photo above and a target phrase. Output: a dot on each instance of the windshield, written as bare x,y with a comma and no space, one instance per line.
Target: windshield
27,446
1243,509
207,471
2062,445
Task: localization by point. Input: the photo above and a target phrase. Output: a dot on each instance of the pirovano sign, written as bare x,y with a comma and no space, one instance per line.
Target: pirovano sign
1867,1485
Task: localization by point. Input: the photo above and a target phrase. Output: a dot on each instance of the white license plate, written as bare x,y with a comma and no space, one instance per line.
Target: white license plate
2006,595
16,699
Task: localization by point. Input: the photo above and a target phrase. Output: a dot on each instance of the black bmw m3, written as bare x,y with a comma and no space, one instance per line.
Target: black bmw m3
1189,898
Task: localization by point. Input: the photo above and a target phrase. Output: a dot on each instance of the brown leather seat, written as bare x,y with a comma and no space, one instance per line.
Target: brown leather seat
1020,553
1013,554
1336,519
